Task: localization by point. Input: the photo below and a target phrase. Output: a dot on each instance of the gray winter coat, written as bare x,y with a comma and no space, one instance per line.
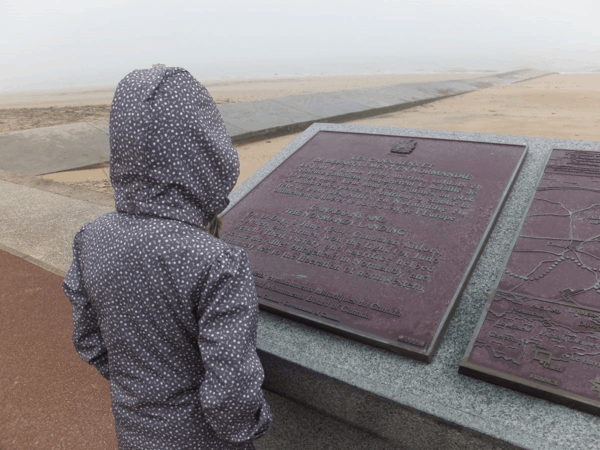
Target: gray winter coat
162,309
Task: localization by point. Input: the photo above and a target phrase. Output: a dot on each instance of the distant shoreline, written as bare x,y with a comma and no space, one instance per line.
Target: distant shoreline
226,80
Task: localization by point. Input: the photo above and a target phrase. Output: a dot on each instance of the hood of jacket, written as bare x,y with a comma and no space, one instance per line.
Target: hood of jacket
170,153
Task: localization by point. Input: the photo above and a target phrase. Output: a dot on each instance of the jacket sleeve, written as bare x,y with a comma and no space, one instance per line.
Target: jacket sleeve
231,395
86,330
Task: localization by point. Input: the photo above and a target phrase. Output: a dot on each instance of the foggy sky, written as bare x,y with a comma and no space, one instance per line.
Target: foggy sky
66,42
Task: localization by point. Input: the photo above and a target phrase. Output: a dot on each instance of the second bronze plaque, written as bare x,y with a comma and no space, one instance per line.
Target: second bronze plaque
540,332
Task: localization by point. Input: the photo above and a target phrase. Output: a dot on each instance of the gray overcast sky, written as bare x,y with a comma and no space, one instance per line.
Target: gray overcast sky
51,43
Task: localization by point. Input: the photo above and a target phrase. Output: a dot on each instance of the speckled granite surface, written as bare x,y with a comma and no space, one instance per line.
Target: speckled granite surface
406,401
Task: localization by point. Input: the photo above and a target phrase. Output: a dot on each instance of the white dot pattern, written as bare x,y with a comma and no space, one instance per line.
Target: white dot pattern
171,155
161,308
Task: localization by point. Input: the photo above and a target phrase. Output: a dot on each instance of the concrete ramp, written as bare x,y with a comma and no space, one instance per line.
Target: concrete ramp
85,145
55,149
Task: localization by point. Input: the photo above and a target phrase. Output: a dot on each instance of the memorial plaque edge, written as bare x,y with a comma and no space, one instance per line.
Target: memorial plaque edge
341,331
505,261
435,343
520,385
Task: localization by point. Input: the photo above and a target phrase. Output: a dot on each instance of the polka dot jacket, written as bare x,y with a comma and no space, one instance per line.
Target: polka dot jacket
162,309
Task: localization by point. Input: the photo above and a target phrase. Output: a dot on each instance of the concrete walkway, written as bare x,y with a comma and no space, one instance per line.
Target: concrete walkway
86,145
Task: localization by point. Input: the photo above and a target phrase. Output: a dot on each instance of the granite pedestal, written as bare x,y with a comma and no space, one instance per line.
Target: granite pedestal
411,404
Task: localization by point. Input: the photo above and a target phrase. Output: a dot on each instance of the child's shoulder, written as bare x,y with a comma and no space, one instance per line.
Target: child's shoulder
203,242
160,236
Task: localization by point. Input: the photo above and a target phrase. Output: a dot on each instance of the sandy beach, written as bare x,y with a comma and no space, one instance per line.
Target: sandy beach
555,106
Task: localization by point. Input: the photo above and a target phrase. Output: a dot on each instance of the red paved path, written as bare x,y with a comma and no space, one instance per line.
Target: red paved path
49,397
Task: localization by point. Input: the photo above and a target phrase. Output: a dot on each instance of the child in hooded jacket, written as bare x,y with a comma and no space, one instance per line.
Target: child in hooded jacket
164,310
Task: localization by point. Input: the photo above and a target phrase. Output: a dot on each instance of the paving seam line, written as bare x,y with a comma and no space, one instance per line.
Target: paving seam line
33,260
55,187
97,128
534,78
100,165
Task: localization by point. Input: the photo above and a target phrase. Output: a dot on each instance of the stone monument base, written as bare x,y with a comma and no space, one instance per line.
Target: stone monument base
408,403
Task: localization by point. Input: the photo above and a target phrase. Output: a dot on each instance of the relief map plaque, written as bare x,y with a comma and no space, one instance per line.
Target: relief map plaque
373,236
540,331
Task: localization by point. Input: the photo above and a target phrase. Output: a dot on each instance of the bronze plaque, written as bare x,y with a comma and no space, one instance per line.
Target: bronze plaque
370,244
540,332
